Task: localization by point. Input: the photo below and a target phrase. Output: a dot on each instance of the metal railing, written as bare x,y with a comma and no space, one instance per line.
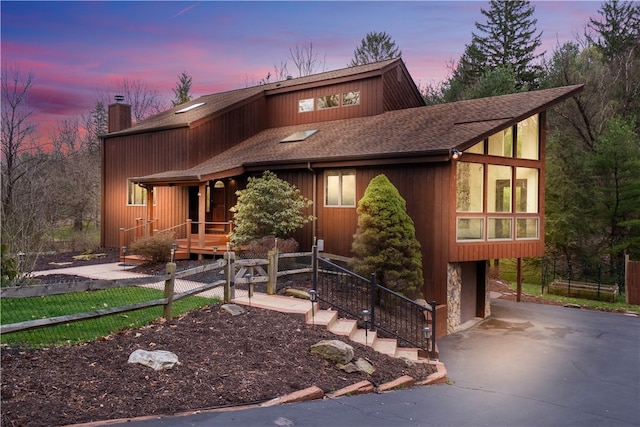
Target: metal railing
374,306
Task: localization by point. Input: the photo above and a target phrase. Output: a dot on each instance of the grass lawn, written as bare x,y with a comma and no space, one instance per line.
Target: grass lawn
531,284
14,310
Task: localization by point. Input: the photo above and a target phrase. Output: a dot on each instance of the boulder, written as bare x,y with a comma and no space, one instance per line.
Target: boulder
158,359
360,365
333,350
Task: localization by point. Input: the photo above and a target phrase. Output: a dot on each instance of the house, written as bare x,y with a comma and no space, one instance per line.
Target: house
472,172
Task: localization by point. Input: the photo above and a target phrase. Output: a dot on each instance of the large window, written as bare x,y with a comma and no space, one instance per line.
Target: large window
520,141
136,195
496,202
340,188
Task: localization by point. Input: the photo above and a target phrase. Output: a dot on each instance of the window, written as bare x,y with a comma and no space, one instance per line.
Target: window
469,189
526,190
329,101
470,229
527,142
340,189
499,228
498,188
136,195
527,228
476,149
501,143
305,105
190,107
300,135
351,98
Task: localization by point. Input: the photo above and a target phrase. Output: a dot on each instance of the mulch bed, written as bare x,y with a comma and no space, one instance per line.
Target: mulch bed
225,361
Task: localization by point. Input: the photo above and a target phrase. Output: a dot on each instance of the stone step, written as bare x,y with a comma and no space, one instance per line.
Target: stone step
386,346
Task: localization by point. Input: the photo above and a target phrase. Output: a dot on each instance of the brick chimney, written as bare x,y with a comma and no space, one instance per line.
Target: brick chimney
119,115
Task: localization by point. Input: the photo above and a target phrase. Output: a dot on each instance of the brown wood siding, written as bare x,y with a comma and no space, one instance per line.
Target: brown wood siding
221,132
137,155
399,91
282,109
424,189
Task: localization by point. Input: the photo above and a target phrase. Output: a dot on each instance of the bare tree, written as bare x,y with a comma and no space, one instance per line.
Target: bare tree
306,60
144,100
17,129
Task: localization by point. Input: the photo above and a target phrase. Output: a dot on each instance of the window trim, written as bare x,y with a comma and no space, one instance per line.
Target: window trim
340,173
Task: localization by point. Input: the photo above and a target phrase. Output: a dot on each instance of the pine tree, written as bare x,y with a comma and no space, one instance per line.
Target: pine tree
385,242
181,91
508,39
375,47
619,31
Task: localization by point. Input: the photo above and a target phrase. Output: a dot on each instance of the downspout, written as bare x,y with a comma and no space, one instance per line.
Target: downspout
315,216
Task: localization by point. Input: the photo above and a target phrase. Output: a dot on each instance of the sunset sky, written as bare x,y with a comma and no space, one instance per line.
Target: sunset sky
76,48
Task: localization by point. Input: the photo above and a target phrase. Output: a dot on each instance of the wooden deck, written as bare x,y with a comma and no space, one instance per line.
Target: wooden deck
210,244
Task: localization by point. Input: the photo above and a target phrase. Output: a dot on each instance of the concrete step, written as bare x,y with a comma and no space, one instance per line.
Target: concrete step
364,337
344,327
407,353
386,346
325,318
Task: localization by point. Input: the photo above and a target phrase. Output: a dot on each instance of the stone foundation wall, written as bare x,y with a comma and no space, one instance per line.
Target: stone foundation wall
454,295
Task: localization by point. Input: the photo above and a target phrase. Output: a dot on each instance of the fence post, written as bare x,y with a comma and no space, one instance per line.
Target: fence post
314,266
168,290
373,302
230,275
273,272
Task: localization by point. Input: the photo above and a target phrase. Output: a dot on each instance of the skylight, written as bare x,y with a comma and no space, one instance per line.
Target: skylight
300,135
190,107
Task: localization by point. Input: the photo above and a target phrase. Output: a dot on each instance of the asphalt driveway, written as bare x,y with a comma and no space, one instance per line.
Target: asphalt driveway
527,365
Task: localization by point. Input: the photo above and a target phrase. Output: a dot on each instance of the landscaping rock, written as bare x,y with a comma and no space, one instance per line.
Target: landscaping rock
158,360
233,309
297,293
333,350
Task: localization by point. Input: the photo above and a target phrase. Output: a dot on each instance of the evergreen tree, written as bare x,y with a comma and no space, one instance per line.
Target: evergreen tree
181,91
507,39
268,206
385,242
618,32
375,47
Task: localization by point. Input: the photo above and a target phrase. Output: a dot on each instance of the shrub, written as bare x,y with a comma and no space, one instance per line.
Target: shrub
264,245
385,242
156,248
10,268
268,206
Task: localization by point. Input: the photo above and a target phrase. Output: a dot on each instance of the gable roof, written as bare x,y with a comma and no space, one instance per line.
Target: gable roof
393,136
217,102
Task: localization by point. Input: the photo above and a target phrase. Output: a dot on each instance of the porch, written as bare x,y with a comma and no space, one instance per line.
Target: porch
209,238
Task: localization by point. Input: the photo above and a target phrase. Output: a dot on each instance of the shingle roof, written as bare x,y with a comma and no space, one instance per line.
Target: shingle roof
219,101
422,131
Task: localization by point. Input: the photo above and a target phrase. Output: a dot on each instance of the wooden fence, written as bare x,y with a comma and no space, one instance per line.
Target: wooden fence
632,281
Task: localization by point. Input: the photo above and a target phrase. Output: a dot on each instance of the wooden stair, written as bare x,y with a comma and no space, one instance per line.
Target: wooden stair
329,319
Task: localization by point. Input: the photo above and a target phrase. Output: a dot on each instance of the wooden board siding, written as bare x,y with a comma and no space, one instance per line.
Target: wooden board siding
221,132
399,91
282,108
424,189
